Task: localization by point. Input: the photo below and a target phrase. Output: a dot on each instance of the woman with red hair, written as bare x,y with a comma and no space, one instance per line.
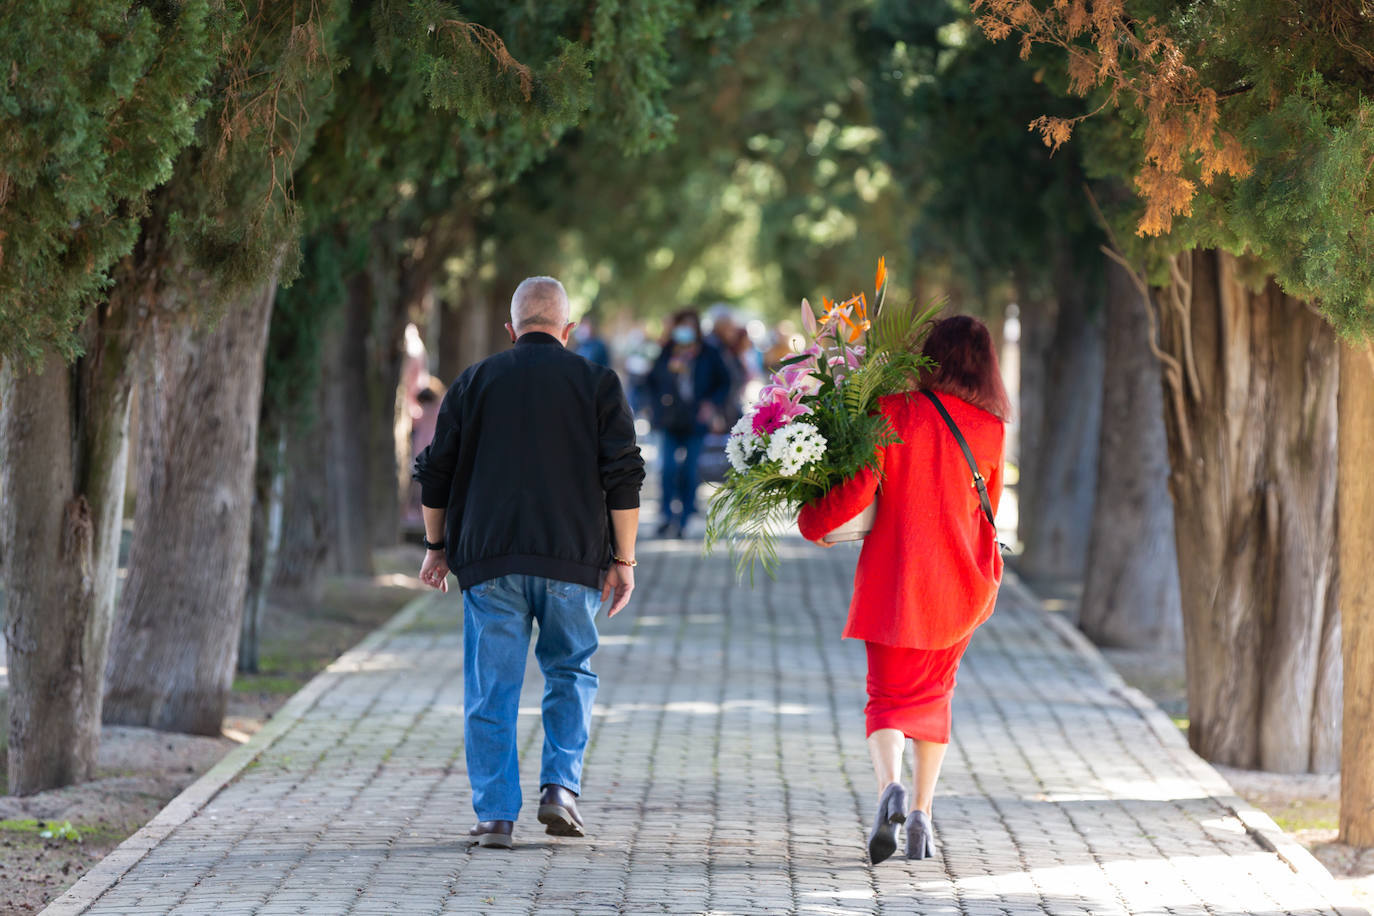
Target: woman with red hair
930,568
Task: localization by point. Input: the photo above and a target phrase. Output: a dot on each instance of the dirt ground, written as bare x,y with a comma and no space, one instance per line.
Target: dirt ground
141,769
1306,806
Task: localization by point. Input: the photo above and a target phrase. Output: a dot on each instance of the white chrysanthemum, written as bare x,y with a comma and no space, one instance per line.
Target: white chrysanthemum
795,446
743,446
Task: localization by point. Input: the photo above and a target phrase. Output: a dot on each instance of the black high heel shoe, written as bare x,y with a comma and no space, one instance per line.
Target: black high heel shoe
920,836
882,842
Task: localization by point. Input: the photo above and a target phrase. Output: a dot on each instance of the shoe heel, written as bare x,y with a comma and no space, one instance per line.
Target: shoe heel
558,822
882,842
920,837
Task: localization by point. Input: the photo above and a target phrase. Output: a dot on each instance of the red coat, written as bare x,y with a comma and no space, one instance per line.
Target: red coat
929,571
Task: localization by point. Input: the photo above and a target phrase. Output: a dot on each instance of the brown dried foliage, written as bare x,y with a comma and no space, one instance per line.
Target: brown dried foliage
1140,62
271,102
474,35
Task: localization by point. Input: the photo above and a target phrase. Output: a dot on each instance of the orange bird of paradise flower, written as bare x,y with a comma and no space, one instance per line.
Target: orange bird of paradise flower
853,313
881,276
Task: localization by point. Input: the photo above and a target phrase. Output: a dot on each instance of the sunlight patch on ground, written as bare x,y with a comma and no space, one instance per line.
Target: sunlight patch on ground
705,708
397,579
236,735
377,661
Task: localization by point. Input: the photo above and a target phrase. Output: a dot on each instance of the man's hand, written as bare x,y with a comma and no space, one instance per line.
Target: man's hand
434,571
620,581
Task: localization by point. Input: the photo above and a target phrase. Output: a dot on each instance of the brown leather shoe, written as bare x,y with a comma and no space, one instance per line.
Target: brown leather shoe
558,812
495,834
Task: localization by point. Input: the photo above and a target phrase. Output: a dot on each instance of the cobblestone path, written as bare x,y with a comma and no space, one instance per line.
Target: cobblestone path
727,774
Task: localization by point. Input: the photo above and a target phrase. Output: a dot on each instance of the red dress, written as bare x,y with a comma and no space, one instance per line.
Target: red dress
929,570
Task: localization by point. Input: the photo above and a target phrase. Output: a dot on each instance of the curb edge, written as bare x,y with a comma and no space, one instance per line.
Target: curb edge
1260,826
110,870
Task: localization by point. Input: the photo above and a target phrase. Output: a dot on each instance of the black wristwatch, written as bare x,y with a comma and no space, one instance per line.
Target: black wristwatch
430,545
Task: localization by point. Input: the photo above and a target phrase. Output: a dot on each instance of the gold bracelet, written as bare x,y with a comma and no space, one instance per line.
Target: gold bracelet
621,561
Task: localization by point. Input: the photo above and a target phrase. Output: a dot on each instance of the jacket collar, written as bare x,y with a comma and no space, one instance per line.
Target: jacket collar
530,338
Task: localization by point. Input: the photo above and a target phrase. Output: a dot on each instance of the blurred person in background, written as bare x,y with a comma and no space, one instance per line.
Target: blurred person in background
640,351
588,342
723,333
689,385
783,342
423,415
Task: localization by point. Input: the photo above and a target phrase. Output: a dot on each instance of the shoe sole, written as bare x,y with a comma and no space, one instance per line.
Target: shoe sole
558,821
883,844
494,841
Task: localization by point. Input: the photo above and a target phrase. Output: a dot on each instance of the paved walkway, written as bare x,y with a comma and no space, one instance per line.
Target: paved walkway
727,774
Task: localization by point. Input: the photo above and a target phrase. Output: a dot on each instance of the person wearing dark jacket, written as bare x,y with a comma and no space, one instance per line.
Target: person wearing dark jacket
689,385
530,493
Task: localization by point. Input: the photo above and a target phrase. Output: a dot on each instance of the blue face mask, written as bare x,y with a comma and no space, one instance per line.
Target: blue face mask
684,335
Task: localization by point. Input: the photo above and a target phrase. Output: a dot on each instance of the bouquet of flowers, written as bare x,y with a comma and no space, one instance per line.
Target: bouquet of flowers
817,423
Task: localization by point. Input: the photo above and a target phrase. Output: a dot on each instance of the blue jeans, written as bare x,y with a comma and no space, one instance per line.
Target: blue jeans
680,475
497,618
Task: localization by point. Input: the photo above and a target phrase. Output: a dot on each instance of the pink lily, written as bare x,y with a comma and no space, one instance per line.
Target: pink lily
800,377
808,319
776,408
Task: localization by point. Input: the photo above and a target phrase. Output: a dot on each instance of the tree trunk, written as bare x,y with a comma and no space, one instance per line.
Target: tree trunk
264,542
1250,410
63,447
344,401
306,531
450,351
1355,487
177,630
1130,589
1061,409
387,318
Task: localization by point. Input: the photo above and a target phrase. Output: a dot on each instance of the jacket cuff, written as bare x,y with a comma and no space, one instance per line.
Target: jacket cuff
434,497
623,498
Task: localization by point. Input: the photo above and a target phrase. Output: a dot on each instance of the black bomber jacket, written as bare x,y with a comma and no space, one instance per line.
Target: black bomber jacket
532,448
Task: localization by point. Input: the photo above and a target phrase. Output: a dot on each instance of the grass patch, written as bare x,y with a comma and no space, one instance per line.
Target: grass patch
1306,814
300,640
35,833
270,684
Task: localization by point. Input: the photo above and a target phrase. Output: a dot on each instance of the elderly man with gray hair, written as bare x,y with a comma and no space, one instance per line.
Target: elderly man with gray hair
530,493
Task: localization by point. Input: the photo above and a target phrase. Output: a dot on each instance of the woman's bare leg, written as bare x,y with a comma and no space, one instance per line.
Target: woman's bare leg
885,747
925,771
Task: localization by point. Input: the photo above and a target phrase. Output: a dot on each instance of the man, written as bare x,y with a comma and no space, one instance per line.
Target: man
530,494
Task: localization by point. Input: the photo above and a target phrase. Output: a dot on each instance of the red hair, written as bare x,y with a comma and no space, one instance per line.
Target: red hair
965,365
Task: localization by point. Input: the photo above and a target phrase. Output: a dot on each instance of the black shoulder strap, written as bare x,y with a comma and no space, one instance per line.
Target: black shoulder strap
978,480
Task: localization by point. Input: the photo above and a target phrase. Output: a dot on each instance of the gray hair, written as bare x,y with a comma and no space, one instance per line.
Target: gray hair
539,302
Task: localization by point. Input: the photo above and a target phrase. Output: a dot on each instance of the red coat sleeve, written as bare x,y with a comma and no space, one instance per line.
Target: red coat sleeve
844,501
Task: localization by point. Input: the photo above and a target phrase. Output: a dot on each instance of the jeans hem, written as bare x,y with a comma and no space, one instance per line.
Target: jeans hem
573,787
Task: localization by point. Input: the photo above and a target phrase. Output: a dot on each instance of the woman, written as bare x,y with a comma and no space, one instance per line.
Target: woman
929,570
689,384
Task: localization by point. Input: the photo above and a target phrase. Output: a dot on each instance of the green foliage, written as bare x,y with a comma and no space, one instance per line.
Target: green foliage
229,217
96,101
990,203
772,187
1295,88
292,368
1308,209
438,111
